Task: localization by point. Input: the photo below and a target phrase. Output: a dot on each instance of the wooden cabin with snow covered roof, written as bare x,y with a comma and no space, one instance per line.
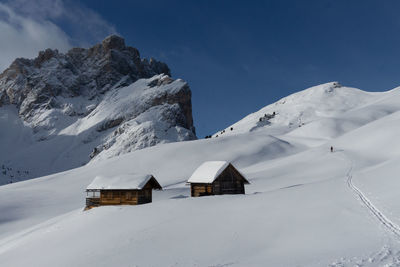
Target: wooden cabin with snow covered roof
216,178
128,189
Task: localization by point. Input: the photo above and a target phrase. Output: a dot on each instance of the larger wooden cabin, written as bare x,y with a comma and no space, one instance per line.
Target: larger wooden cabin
216,178
128,189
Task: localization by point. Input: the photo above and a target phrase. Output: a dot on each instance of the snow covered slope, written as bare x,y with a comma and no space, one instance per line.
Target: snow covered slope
305,206
318,113
58,111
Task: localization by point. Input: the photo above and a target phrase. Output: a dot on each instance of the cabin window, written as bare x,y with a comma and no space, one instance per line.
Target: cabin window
92,194
128,195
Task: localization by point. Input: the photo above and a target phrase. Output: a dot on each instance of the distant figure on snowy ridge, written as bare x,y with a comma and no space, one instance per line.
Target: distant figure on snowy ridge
331,148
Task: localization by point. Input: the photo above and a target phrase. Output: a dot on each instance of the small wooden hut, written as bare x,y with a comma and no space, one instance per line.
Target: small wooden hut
216,178
128,189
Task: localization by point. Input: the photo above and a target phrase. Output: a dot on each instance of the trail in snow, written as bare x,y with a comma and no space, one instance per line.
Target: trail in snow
392,227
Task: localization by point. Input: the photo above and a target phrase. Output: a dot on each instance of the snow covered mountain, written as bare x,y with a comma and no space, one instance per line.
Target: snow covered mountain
58,111
318,113
305,206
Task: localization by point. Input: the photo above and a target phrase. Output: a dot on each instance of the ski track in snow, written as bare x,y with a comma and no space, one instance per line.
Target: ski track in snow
387,223
387,256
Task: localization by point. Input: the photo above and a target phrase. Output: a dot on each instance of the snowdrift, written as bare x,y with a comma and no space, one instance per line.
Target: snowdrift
301,208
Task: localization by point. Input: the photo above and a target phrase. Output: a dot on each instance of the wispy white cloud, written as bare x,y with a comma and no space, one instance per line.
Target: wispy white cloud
82,24
39,9
28,26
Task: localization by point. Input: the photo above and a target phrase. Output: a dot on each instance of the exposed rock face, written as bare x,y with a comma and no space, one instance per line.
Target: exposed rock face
30,84
106,96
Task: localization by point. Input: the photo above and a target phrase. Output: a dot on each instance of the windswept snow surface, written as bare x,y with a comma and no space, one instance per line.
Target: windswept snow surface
319,113
305,206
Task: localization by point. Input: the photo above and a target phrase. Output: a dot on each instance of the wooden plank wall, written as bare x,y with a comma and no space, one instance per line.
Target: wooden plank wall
229,181
125,197
121,197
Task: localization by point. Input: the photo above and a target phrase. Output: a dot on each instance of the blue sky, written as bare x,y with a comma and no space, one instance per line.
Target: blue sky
239,56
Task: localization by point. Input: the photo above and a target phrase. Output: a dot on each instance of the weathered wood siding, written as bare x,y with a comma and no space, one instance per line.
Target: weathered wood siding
125,197
198,190
121,197
230,181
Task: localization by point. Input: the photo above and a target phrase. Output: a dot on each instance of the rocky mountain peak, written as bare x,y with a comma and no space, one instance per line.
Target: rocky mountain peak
33,83
44,56
105,99
113,42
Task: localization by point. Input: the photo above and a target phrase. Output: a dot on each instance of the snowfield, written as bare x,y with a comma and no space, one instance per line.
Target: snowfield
305,206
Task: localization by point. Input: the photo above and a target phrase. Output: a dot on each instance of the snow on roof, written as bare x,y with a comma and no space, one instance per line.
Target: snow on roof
124,181
208,172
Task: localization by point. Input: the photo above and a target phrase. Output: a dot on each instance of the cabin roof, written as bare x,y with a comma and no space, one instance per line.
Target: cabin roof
208,172
124,181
